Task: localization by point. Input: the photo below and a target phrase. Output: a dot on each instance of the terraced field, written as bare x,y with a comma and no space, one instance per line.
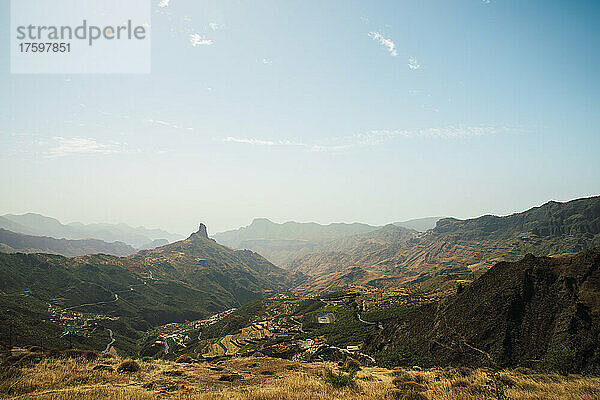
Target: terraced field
231,344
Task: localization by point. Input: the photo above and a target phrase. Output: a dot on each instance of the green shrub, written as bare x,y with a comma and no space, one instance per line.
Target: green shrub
340,380
561,359
351,365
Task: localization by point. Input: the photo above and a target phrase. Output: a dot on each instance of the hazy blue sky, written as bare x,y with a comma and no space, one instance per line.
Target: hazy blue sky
370,111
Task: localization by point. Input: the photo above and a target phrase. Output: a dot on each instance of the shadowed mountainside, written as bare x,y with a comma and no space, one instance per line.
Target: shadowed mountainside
517,313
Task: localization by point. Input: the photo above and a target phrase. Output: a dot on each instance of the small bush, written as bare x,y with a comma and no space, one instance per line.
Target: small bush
561,359
128,366
267,372
340,380
173,372
187,359
229,377
351,365
414,396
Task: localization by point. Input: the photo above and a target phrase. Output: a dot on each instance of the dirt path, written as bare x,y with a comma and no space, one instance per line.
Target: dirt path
112,340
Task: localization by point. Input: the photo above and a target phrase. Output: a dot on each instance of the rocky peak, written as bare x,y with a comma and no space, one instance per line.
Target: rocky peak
202,231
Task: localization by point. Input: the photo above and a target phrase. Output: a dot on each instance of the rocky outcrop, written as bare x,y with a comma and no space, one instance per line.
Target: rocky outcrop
202,231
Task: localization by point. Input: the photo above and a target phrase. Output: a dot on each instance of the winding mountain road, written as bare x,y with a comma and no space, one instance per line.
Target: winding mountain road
299,323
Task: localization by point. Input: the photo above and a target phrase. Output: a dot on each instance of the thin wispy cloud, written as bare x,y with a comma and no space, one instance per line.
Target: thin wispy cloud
249,141
389,43
377,137
263,142
164,3
197,40
169,124
413,63
79,145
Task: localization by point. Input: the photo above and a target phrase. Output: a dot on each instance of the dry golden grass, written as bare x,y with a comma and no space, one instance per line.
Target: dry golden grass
265,378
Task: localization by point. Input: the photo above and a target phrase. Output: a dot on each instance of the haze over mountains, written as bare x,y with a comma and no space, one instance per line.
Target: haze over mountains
454,246
11,242
39,225
282,243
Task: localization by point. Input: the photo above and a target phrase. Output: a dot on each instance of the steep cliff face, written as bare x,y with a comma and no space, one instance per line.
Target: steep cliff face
515,314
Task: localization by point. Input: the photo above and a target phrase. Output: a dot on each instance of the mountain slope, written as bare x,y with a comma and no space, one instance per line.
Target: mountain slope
471,245
517,313
203,263
39,225
280,243
17,242
186,280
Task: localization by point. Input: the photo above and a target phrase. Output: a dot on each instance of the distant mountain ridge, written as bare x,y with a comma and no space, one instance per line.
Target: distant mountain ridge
463,245
39,225
263,228
283,243
280,243
16,242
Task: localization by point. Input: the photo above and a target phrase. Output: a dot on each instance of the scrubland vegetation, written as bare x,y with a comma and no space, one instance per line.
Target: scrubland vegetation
89,376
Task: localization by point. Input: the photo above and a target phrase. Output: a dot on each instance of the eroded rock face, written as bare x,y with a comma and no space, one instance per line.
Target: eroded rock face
202,231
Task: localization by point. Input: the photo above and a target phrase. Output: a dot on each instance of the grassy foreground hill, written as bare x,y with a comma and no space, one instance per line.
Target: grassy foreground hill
35,375
89,295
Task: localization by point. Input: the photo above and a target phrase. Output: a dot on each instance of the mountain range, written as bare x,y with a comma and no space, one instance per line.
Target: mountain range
393,255
185,280
11,242
282,243
39,225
